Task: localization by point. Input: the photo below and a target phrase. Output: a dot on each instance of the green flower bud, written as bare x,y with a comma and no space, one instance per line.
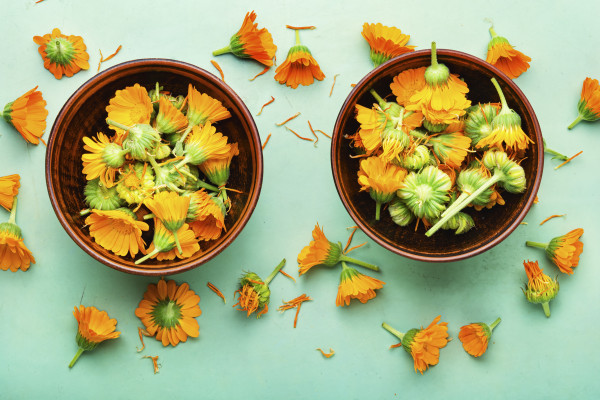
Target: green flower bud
162,151
420,157
113,155
434,128
459,223
479,121
426,192
99,197
468,181
400,213
141,138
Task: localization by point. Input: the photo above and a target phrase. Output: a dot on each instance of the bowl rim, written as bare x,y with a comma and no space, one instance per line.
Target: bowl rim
146,62
351,100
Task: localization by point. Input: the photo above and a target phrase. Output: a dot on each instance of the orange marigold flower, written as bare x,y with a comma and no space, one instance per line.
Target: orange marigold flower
94,327
217,169
171,209
320,251
28,115
407,83
589,104
117,230
203,108
169,312
251,42
475,337
62,54
564,251
14,255
164,246
504,57
98,163
9,189
130,106
299,68
354,285
169,119
206,215
386,42
540,288
254,293
380,179
423,344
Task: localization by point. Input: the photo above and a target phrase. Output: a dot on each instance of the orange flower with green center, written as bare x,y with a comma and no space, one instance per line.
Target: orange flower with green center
381,180
62,54
169,312
540,288
169,119
9,189
503,56
299,68
103,160
129,106
589,103
28,115
254,293
423,344
475,337
14,255
206,215
216,169
117,230
251,42
354,285
407,83
386,42
171,209
94,327
564,251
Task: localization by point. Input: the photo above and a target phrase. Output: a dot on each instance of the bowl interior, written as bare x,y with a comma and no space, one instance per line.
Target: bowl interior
491,225
84,114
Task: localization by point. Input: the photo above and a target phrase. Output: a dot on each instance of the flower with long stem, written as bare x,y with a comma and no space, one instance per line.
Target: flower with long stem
299,67
14,255
564,250
28,115
503,56
423,344
475,337
254,293
9,189
62,54
386,42
540,288
354,285
589,104
94,327
381,180
169,311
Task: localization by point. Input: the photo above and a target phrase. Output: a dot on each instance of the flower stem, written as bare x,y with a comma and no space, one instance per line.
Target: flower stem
493,32
298,37
372,267
174,232
500,93
178,150
493,324
377,210
577,120
536,244
148,216
546,307
147,256
434,61
74,360
556,154
85,212
118,125
393,331
381,101
275,271
226,49
208,186
13,213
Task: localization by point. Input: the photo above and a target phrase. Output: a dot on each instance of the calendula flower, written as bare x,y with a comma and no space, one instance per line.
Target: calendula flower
540,288
171,209
299,67
164,247
206,215
443,98
423,344
407,83
589,104
9,189
216,169
381,180
28,115
504,57
400,213
169,312
386,42
450,148
459,223
169,118
117,230
62,54
415,158
99,197
479,121
254,293
94,327
136,183
14,255
564,251
203,144
475,337
354,285
202,108
426,192
130,106
251,42
103,160
140,140
506,128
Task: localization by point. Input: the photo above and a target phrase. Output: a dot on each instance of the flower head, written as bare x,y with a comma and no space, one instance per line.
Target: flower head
354,285
386,42
169,312
28,115
205,143
103,160
479,121
564,251
94,327
475,337
130,106
254,293
14,255
251,42
407,83
380,179
423,344
117,230
299,67
426,192
589,103
171,209
62,54
136,183
320,251
164,246
451,148
217,169
99,197
169,118
540,288
206,215
203,108
9,189
504,57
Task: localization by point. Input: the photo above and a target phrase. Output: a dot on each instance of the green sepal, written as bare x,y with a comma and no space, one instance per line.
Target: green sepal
166,313
478,124
506,119
85,344
585,112
543,296
378,58
459,223
469,180
141,139
436,74
408,339
426,192
420,157
262,289
113,155
11,229
60,51
434,128
99,197
7,113
496,40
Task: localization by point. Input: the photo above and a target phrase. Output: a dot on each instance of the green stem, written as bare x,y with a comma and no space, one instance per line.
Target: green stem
85,212
546,307
381,101
298,37
275,271
434,61
177,242
344,257
577,120
118,125
148,216
493,32
178,150
536,244
207,186
377,210
501,94
13,213
226,49
458,200
74,360
493,325
147,256
556,154
393,331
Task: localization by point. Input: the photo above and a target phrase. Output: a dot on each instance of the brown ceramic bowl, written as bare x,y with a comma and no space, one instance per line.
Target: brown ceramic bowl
84,114
492,225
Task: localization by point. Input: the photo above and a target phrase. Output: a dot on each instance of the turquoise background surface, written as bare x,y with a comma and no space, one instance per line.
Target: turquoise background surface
234,356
